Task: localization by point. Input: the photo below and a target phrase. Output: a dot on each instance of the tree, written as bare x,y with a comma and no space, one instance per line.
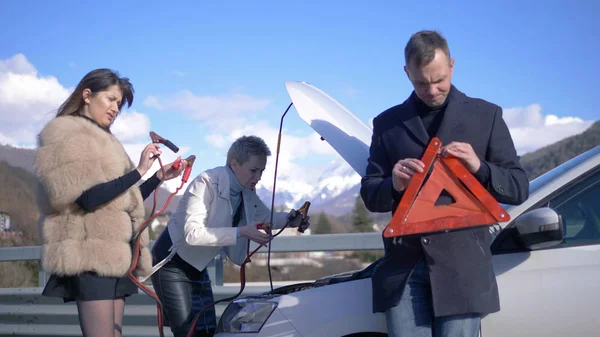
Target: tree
322,225
360,216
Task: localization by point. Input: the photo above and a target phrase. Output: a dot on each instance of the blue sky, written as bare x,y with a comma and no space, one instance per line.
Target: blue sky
193,65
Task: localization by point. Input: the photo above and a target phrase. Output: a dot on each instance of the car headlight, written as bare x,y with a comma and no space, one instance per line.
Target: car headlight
245,315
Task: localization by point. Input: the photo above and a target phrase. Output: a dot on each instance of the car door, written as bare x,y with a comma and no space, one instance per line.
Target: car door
553,291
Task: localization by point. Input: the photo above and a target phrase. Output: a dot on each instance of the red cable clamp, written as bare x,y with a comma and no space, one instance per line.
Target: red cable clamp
158,139
188,170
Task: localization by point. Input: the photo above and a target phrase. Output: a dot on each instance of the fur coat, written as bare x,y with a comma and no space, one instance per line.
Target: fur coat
73,155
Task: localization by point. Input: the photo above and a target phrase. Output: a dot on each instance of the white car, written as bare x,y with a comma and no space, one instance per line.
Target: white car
546,259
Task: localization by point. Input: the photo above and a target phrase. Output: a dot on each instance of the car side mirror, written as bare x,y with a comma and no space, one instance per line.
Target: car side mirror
539,228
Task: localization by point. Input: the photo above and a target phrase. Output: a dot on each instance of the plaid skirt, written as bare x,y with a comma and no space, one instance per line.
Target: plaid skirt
183,290
202,295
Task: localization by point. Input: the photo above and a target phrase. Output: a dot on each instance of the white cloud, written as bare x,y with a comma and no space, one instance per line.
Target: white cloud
4,140
208,107
226,116
132,129
294,152
27,100
152,102
18,65
531,129
216,140
130,126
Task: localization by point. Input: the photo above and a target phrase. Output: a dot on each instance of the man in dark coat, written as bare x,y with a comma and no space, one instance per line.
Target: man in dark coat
438,283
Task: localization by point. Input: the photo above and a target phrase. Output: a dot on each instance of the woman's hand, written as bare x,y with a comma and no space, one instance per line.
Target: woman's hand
251,232
295,218
170,172
148,157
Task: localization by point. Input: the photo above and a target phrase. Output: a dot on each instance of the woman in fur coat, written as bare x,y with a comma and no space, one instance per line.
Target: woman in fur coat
218,214
91,204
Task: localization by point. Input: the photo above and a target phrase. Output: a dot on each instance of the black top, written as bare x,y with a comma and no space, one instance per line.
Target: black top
105,192
432,117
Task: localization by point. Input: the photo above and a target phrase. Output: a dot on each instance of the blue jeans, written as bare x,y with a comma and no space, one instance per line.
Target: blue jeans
413,316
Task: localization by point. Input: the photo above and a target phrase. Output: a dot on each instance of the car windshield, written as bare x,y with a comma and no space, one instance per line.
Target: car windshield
549,176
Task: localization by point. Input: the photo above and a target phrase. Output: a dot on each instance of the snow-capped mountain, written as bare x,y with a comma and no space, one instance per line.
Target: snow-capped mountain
332,189
328,184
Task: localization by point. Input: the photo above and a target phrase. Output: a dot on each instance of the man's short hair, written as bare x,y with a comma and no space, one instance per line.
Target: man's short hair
421,47
247,146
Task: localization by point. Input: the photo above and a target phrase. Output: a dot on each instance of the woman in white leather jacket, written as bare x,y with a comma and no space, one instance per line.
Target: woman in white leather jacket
219,212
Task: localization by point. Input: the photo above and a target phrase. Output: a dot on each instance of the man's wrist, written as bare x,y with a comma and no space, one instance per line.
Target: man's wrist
400,188
483,173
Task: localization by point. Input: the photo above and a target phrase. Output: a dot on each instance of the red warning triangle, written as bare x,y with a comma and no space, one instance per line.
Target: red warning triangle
417,213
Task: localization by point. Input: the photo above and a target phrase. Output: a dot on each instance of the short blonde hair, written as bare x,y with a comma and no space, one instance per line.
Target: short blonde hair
246,146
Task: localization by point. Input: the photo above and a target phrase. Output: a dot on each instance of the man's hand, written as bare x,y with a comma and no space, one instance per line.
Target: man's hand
251,232
403,172
464,152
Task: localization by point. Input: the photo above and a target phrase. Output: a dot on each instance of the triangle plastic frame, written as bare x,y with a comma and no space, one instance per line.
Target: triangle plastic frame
417,213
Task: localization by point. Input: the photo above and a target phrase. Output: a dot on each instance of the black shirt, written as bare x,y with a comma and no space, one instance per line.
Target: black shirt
105,192
432,117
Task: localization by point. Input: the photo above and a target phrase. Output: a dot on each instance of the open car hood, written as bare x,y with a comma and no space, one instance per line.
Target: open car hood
339,127
349,137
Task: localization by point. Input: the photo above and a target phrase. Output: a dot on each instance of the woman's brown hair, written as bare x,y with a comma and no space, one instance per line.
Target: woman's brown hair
96,80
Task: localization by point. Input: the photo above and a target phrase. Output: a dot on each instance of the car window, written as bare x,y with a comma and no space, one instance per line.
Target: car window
579,207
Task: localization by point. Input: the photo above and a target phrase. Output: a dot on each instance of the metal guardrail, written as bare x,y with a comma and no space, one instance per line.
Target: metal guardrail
282,244
24,312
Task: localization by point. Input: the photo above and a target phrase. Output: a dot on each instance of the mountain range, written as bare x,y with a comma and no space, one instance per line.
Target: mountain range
335,189
335,181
